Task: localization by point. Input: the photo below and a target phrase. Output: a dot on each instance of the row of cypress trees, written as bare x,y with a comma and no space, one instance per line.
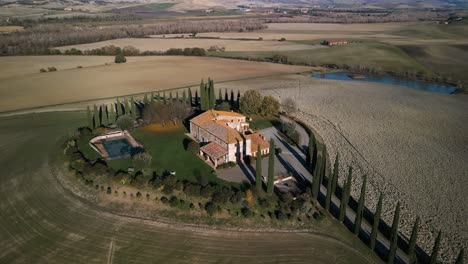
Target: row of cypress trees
105,115
316,160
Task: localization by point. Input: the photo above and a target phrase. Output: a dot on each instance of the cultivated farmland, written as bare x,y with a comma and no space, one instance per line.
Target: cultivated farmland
163,44
144,75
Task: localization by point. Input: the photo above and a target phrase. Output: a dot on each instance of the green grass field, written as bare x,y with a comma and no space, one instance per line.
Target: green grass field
41,222
370,54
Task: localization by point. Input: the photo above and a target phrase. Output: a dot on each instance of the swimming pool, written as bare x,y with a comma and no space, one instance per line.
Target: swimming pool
117,148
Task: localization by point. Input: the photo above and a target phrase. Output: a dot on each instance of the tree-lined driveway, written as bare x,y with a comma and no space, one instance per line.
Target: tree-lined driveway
293,160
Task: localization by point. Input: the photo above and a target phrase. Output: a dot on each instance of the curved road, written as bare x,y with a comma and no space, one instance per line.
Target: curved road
41,223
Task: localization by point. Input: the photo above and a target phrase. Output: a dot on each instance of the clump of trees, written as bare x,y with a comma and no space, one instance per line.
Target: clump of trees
162,111
120,58
253,103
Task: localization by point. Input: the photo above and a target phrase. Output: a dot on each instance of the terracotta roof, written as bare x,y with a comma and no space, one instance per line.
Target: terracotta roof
214,150
208,121
256,140
211,115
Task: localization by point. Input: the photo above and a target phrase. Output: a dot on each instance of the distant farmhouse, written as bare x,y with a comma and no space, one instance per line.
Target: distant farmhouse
225,137
334,42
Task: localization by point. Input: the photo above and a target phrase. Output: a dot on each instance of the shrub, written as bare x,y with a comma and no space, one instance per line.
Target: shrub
125,122
206,191
52,69
246,212
236,198
281,215
120,58
282,39
42,70
174,201
194,147
192,190
164,200
141,161
210,208
109,190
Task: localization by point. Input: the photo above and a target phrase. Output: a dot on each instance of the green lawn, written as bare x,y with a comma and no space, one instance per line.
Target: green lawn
261,122
167,150
86,149
371,54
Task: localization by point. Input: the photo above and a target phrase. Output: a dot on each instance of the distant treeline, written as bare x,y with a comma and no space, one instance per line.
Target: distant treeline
360,17
31,22
40,39
130,51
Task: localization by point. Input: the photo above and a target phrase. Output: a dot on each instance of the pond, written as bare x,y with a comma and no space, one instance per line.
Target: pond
420,85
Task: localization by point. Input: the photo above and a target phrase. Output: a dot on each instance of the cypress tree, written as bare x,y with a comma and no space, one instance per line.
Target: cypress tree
177,95
258,169
335,174
238,98
324,164
226,96
96,116
375,226
158,97
412,241
232,97
271,167
316,181
170,97
202,96
461,257
105,113
311,152
360,209
212,94
132,102
118,108
190,96
101,115
329,192
435,249
184,97
112,117
396,219
393,248
152,98
145,100
345,195
89,117
220,97
197,101
127,107
164,97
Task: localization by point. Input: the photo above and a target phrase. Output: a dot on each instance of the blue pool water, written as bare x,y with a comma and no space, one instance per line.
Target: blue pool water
118,147
420,85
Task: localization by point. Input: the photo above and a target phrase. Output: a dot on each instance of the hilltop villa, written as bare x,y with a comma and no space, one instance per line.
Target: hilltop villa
225,137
